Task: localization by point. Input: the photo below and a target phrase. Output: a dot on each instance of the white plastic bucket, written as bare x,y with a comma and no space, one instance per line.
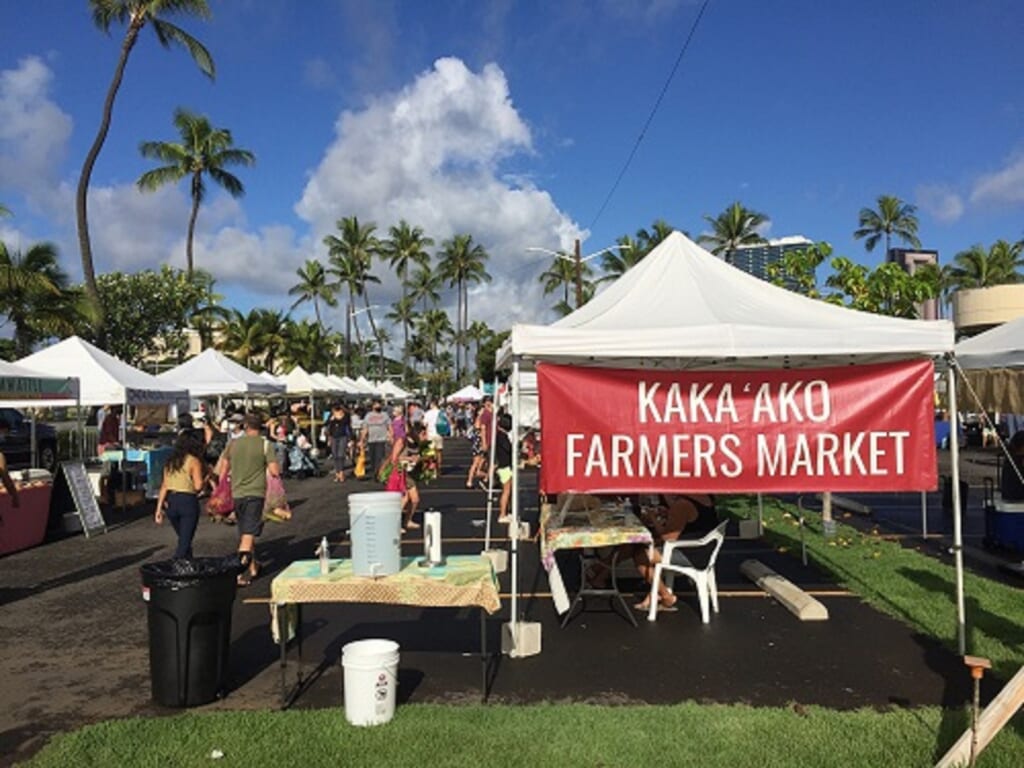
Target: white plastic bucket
371,681
375,523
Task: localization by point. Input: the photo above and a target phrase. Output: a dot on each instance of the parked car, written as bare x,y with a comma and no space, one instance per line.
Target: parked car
17,445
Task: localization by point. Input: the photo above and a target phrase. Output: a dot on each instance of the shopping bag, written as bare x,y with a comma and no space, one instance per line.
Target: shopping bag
221,502
275,505
360,469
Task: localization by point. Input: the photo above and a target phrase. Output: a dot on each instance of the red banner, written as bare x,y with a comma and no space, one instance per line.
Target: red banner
856,428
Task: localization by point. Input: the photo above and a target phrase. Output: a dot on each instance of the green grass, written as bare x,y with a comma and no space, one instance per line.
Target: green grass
542,735
907,584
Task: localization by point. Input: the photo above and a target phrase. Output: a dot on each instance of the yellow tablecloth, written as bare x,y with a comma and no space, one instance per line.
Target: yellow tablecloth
601,527
464,580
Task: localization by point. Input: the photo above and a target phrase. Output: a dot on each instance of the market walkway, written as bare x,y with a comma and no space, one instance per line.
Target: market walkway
75,644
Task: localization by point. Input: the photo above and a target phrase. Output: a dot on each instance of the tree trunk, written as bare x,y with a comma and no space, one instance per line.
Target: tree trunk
189,263
81,202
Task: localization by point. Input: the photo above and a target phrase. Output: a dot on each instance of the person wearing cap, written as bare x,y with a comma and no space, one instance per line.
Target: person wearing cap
249,459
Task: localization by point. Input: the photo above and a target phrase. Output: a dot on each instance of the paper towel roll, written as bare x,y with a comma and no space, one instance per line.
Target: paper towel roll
432,536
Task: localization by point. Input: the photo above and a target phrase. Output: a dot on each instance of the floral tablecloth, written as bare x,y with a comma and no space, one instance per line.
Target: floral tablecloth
605,526
464,580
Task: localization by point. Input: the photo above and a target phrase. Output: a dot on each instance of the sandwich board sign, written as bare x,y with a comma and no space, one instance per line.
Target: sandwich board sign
88,510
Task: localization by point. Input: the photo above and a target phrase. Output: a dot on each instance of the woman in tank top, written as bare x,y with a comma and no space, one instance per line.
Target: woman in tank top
184,475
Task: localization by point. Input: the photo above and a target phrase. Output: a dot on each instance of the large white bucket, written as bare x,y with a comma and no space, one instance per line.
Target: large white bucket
371,681
375,523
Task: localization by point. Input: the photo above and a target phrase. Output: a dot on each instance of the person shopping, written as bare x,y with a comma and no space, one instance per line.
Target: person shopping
178,501
339,433
249,459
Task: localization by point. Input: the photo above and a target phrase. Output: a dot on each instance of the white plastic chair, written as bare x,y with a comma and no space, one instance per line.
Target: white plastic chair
703,578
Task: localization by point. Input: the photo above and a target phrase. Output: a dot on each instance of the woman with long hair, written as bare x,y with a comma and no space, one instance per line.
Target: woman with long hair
184,476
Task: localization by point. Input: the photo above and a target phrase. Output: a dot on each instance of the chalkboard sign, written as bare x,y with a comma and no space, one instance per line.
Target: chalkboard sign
82,494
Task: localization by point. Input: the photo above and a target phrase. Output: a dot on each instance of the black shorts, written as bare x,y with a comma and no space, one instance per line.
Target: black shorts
249,514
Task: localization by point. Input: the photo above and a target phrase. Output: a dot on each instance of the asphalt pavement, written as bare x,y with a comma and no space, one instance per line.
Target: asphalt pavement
76,647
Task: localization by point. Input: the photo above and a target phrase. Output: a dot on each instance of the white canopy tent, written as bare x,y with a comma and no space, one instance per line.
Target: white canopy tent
103,378
467,393
325,383
268,376
993,364
391,390
212,373
683,308
24,388
368,386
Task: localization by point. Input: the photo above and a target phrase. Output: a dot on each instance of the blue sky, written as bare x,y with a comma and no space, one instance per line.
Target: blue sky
511,121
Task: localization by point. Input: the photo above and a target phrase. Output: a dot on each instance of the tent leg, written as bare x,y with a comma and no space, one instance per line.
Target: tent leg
958,549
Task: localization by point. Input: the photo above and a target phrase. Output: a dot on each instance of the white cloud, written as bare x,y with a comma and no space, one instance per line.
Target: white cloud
431,154
1005,186
939,201
33,132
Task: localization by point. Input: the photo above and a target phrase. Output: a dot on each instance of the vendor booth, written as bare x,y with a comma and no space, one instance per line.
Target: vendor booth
213,374
107,381
992,365
690,375
25,526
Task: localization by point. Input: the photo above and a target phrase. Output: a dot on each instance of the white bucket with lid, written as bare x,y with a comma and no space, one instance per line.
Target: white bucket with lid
371,681
375,523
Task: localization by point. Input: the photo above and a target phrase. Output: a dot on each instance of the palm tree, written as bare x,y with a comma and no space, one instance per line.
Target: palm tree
733,227
562,274
616,263
403,313
5,211
204,150
351,258
893,217
406,245
424,286
313,286
978,268
136,14
306,345
649,239
30,284
462,264
258,335
434,327
478,332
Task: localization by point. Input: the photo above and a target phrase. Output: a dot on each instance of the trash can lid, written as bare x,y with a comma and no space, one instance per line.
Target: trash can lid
189,571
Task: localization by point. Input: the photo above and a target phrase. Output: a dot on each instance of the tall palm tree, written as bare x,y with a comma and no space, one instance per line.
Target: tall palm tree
649,239
424,286
403,313
254,337
978,268
434,327
406,245
462,265
478,332
893,217
616,263
29,283
136,14
562,275
733,227
351,259
203,151
313,286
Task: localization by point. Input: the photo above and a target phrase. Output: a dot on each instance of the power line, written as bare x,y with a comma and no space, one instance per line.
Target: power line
650,117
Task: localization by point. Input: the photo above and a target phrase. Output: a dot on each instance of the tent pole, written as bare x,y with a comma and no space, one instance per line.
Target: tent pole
124,454
514,528
924,514
490,473
958,549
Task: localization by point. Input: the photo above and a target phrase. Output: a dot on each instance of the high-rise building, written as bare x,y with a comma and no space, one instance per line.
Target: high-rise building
911,259
755,259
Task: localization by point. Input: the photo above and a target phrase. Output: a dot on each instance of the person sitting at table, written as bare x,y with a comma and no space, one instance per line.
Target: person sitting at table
675,514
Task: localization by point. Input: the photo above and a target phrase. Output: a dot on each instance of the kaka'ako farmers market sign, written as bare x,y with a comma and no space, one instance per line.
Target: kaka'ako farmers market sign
855,428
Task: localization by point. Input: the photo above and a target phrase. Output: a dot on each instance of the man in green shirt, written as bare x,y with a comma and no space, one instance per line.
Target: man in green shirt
247,460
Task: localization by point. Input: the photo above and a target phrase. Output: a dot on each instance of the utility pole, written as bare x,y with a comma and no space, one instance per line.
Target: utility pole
579,275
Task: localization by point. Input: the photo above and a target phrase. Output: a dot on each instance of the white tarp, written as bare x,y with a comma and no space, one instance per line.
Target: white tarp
212,373
993,363
682,307
468,392
103,378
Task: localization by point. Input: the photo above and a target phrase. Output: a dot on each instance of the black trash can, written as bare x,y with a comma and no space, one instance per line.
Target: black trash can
189,612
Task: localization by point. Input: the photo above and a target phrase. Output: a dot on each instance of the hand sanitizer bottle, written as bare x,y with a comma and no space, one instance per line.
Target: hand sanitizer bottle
324,557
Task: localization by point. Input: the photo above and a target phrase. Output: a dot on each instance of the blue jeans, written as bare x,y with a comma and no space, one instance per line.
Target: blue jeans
183,512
